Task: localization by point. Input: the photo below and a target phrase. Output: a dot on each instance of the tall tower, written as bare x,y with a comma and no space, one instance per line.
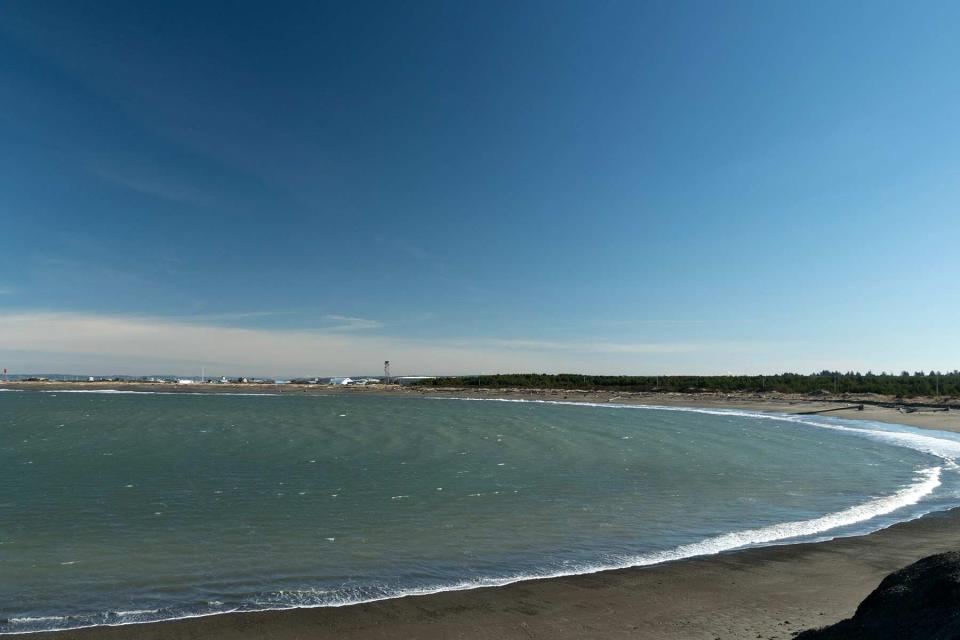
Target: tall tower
386,371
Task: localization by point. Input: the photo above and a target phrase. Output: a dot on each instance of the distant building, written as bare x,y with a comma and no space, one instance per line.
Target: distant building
341,380
185,381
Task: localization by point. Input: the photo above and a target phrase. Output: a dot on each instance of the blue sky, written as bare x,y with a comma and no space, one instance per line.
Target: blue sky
618,187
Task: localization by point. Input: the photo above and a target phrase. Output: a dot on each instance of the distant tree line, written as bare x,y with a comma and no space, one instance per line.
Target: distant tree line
905,384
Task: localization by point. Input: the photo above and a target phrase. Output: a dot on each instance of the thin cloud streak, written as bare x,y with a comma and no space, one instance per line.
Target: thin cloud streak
232,316
156,185
349,323
647,323
594,347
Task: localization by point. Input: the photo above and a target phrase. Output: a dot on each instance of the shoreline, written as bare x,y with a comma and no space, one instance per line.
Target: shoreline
769,592
941,414
748,593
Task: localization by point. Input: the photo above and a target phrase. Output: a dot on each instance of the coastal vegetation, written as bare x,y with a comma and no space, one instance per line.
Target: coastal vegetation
904,385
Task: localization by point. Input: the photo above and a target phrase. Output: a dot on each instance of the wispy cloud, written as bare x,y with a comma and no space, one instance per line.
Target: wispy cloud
397,243
411,251
666,322
154,183
580,346
349,323
232,316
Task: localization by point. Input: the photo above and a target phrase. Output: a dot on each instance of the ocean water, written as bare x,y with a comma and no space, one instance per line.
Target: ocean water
123,507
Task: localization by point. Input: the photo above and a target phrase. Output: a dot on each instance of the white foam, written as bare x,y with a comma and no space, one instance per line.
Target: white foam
910,495
151,393
762,536
98,391
88,625
936,443
929,480
136,612
38,619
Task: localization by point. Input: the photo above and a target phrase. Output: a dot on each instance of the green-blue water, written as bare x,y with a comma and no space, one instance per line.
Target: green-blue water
132,507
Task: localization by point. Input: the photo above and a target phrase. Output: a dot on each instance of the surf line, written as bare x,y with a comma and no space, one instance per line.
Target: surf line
761,536
930,441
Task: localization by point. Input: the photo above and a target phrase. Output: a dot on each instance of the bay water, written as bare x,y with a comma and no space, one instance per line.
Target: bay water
131,507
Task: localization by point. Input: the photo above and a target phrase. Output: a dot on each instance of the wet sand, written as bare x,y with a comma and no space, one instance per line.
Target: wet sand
769,592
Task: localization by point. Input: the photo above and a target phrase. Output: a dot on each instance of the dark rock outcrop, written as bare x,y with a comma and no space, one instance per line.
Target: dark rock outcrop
918,602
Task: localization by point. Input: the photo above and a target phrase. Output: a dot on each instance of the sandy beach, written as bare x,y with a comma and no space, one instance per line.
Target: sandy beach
768,592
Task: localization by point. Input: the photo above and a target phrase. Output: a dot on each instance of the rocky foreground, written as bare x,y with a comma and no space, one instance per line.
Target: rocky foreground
921,602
